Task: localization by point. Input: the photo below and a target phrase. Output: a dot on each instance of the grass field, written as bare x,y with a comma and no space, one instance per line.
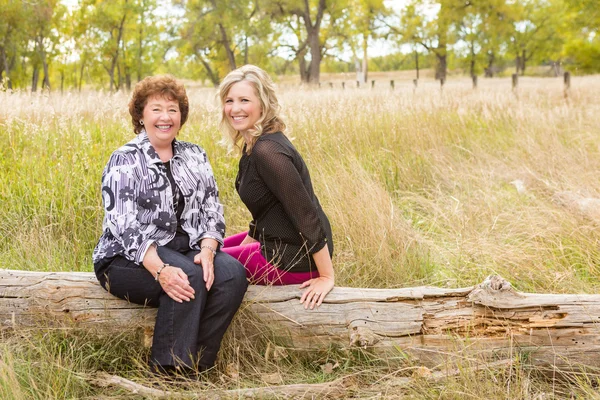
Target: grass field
422,186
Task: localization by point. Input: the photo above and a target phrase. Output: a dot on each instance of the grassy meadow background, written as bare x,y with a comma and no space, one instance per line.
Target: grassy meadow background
422,187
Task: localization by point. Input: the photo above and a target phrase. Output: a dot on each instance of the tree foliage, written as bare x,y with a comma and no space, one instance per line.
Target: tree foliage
111,44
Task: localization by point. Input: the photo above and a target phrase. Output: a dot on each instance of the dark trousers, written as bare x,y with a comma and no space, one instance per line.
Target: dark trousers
186,334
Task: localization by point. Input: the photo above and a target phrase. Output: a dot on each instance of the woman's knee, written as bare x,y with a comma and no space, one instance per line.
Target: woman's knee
229,269
192,270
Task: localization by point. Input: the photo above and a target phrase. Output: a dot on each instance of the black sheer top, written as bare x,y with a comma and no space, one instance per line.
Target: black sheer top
274,183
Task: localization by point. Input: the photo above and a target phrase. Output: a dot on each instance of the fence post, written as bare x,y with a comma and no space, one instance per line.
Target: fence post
331,84
357,84
343,85
416,82
372,84
392,84
515,81
474,77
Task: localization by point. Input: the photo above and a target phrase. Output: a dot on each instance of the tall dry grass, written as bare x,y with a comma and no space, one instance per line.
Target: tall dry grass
421,186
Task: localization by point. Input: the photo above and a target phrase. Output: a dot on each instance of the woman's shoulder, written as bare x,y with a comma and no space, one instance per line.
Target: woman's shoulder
189,147
272,141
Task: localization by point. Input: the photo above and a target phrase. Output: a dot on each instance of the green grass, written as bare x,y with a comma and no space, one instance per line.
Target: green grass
419,187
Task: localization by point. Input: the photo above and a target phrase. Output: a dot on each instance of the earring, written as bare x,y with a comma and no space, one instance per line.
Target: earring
141,122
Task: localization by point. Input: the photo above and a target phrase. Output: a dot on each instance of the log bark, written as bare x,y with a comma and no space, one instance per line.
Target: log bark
425,324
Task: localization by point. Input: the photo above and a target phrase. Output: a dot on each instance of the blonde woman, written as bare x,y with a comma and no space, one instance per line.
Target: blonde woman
289,240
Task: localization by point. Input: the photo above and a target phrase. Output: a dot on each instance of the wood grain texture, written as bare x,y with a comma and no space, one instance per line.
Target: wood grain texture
426,324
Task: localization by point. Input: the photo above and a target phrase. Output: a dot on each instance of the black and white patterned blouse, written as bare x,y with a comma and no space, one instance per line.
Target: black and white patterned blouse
138,200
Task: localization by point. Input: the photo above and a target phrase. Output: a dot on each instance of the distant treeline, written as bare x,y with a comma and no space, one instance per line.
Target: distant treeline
62,45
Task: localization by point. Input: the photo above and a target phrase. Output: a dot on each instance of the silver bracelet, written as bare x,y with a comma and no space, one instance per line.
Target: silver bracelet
205,246
159,270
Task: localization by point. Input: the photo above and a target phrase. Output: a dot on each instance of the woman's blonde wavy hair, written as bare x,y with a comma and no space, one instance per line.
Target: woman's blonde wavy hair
264,88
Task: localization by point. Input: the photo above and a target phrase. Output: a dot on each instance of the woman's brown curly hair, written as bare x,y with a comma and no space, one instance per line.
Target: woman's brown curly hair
165,86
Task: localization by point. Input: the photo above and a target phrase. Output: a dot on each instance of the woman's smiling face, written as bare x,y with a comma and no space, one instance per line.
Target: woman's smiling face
242,106
162,120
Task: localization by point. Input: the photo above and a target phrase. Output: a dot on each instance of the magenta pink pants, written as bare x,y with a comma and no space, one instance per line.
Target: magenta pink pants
258,269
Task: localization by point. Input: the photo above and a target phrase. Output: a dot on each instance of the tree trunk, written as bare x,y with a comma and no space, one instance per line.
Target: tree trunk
312,34
417,62
489,71
472,66
304,71
115,57
426,324
35,77
227,46
440,68
80,84
46,80
365,60
314,70
246,49
5,69
523,62
214,78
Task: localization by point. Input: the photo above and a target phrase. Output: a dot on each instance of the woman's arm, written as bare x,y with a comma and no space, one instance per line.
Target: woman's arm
318,288
119,181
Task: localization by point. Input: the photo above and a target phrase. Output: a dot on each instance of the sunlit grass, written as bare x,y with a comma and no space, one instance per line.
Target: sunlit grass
421,186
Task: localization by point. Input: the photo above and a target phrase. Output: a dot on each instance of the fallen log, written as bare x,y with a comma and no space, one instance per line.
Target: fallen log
425,324
334,389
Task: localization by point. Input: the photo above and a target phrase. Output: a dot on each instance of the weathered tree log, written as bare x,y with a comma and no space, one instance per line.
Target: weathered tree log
426,324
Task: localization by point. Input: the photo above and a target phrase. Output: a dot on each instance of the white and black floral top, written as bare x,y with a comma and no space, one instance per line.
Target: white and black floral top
138,200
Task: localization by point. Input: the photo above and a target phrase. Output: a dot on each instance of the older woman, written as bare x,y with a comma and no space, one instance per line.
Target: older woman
162,227
289,239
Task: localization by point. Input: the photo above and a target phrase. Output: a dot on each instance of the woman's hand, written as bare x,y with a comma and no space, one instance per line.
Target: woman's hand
175,283
318,288
206,260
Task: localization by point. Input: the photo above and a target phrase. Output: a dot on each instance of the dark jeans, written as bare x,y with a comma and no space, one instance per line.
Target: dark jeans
186,334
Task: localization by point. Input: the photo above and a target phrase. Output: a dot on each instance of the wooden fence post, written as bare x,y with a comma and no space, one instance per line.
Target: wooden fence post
392,84
357,84
474,77
343,85
515,81
372,84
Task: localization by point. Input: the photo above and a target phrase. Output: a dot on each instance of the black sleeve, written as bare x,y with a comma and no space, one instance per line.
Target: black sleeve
275,166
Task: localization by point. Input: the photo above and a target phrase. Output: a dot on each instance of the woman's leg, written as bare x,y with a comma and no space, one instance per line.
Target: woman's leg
260,272
222,302
177,324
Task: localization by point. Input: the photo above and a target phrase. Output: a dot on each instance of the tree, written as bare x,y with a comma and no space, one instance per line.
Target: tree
43,35
310,15
12,26
363,16
536,30
106,22
218,33
583,45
